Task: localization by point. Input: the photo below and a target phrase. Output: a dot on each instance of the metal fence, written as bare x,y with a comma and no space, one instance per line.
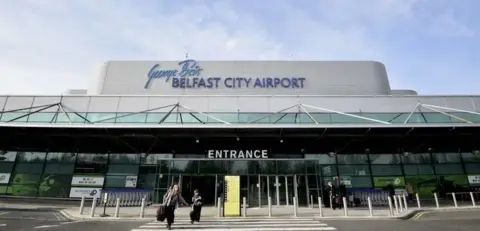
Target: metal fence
128,197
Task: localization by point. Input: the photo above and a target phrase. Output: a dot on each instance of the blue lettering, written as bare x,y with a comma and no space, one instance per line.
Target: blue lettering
190,68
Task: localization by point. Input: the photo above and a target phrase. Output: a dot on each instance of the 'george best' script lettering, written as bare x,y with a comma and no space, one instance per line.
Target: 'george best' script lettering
237,154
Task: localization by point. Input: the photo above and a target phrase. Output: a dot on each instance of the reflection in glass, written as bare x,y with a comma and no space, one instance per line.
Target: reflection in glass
87,158
417,158
354,170
471,157
185,166
237,167
385,158
31,156
154,158
8,156
352,159
61,157
386,170
124,158
444,158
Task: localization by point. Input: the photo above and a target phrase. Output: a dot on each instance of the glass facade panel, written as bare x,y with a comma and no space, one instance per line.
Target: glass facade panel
263,118
131,118
467,116
385,158
53,185
31,156
70,116
322,158
42,117
31,168
193,118
114,181
387,170
100,117
6,167
131,170
437,118
361,182
471,157
447,158
146,181
154,158
8,156
59,168
417,158
343,119
352,159
353,170
418,169
237,167
449,169
124,159
472,168
185,166
87,158
59,157
14,117
328,170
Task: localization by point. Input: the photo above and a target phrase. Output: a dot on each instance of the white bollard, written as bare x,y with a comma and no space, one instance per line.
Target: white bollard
436,200
295,207
94,205
142,208
390,206
369,200
400,203
418,201
473,199
244,207
320,207
345,206
404,197
219,207
269,207
117,207
311,201
395,201
454,197
82,205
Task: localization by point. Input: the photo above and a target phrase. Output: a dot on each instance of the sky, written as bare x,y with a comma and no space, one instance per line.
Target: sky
49,46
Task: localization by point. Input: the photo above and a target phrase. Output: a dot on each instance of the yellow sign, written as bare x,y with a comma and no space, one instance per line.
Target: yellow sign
231,206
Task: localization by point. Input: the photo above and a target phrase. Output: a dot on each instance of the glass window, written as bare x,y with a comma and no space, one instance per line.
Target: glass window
8,156
337,118
288,118
471,157
467,116
303,118
147,169
31,168
435,117
416,158
449,169
14,116
42,117
146,181
328,170
472,168
87,158
322,158
6,167
418,169
123,169
444,158
112,181
323,118
416,118
124,158
131,118
352,159
239,167
31,156
260,118
361,182
387,117
193,118
70,116
57,186
457,179
61,157
212,167
185,166
100,117
154,158
25,179
386,170
310,166
285,167
353,170
385,158
155,117
229,117
164,166
59,168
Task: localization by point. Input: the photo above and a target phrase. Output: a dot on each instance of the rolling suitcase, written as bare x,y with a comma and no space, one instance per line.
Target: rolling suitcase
161,213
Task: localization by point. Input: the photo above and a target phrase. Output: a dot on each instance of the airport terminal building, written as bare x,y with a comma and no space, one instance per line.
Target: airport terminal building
285,127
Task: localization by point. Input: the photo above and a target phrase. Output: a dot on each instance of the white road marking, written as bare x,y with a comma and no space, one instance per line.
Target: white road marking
70,222
3,225
1,214
45,226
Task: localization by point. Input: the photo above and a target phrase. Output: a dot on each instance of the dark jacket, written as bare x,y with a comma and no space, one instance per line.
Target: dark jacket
172,198
197,200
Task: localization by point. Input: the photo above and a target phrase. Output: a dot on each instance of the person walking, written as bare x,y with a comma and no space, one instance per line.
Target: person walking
170,201
197,206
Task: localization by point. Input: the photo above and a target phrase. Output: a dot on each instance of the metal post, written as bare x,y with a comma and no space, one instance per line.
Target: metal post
405,202
320,207
244,207
286,191
117,207
142,208
311,201
473,199
395,201
295,189
345,206
269,207
277,192
219,207
94,205
216,190
454,197
436,200
370,206
82,205
418,201
390,206
400,203
259,185
295,207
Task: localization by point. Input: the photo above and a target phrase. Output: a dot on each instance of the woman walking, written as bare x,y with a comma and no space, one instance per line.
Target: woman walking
170,201
197,207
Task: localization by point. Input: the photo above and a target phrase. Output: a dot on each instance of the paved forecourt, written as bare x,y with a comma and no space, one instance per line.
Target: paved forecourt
241,225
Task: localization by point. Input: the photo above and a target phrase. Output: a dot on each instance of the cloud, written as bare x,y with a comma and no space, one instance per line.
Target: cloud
48,46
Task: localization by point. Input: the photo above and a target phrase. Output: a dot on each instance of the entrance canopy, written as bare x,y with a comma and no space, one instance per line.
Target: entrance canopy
276,138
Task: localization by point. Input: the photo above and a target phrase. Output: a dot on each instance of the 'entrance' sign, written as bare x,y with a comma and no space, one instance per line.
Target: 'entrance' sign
237,154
